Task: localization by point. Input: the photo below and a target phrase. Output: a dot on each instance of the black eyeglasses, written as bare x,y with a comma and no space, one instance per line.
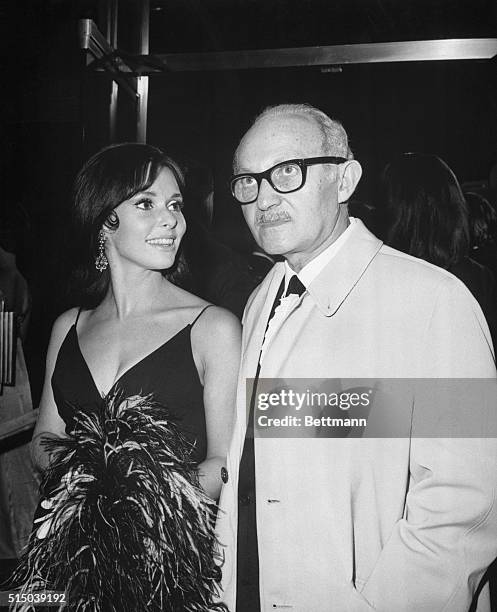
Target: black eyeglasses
285,177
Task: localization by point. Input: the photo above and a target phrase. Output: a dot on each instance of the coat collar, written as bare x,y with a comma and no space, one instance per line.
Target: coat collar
330,288
256,316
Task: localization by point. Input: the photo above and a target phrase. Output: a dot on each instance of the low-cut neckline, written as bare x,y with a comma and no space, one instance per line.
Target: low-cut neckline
127,370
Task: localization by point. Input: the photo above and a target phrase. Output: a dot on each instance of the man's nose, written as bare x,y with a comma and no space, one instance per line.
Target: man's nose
267,196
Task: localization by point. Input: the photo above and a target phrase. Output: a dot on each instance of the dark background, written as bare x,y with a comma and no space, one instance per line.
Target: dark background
55,111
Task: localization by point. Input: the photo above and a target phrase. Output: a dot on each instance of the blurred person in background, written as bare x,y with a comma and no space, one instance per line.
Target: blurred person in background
217,272
424,213
18,487
482,230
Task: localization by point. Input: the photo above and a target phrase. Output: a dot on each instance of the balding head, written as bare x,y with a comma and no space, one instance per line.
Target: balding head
334,137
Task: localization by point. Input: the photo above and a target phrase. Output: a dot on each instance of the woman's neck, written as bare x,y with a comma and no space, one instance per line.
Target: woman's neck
135,294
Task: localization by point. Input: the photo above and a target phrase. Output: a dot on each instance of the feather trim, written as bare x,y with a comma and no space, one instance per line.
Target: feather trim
127,527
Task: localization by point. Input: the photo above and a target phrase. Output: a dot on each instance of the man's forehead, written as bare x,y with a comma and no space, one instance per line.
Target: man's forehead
291,126
281,135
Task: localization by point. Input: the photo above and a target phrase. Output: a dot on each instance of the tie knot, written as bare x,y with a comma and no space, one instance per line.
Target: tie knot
295,286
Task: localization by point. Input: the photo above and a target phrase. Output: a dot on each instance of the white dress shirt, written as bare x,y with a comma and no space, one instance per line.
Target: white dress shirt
308,273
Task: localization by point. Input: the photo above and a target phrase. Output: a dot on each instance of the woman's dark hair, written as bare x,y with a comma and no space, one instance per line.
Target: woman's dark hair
425,213
482,220
107,179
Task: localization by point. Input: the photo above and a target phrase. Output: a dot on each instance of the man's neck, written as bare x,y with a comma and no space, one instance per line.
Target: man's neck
314,267
300,261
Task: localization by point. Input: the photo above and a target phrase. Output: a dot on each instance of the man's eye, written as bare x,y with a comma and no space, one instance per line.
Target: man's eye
144,204
247,181
285,173
176,205
289,170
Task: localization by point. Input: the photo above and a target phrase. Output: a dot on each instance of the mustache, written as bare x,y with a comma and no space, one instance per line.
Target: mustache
271,216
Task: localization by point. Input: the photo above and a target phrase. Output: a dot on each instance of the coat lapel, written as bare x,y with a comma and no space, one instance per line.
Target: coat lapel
339,277
256,319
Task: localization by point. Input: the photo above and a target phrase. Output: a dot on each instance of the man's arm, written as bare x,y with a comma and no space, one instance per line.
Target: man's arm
437,554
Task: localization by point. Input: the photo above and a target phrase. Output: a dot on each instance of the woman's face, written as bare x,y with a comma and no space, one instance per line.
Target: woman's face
151,226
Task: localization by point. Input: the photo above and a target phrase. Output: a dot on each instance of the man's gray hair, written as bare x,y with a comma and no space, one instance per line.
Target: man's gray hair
335,140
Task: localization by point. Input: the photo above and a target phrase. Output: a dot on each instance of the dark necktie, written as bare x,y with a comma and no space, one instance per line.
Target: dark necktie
247,599
295,286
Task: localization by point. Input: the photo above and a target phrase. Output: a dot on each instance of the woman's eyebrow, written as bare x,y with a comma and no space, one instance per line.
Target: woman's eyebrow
154,194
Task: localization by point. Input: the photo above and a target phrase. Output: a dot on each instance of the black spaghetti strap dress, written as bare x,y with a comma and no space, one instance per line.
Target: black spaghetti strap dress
168,374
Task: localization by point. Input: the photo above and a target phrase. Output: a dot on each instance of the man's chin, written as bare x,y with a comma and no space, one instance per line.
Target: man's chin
273,248
273,242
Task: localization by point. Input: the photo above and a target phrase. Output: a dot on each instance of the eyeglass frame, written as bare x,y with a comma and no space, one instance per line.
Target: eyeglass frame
303,163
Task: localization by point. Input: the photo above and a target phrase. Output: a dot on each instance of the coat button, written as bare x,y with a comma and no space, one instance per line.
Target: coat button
224,475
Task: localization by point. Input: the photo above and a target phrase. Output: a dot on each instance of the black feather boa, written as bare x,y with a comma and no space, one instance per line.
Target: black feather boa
128,527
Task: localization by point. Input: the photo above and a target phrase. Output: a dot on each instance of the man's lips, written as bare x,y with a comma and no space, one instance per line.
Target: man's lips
271,220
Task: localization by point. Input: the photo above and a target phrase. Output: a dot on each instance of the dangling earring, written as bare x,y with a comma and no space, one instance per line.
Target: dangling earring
101,261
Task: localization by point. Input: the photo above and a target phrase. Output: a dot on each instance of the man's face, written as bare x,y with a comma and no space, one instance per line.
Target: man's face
297,225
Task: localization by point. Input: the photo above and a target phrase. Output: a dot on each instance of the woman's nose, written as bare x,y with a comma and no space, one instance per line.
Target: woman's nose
167,217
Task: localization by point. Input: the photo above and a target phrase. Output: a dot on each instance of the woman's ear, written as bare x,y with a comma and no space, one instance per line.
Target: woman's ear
351,175
111,223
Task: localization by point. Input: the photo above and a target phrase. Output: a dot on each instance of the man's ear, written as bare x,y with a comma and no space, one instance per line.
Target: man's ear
351,175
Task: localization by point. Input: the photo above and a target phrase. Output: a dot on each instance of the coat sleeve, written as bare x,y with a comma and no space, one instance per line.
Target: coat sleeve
438,552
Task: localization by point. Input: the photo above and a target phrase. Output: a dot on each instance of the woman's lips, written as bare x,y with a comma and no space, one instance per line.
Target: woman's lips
161,243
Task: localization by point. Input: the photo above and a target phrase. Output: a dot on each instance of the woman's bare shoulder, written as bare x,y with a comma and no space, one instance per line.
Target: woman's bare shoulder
217,323
186,299
64,322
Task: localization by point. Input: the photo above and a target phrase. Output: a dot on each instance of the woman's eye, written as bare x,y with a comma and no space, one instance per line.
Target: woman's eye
144,204
175,205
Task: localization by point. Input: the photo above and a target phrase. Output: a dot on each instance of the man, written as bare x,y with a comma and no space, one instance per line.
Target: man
316,523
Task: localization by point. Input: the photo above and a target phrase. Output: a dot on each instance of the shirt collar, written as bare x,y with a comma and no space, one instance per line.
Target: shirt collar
339,276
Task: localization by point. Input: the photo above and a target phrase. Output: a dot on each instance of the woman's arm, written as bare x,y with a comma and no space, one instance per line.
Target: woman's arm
49,422
216,338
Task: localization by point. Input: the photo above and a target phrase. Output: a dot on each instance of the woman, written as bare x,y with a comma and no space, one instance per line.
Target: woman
121,498
142,332
425,214
482,230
